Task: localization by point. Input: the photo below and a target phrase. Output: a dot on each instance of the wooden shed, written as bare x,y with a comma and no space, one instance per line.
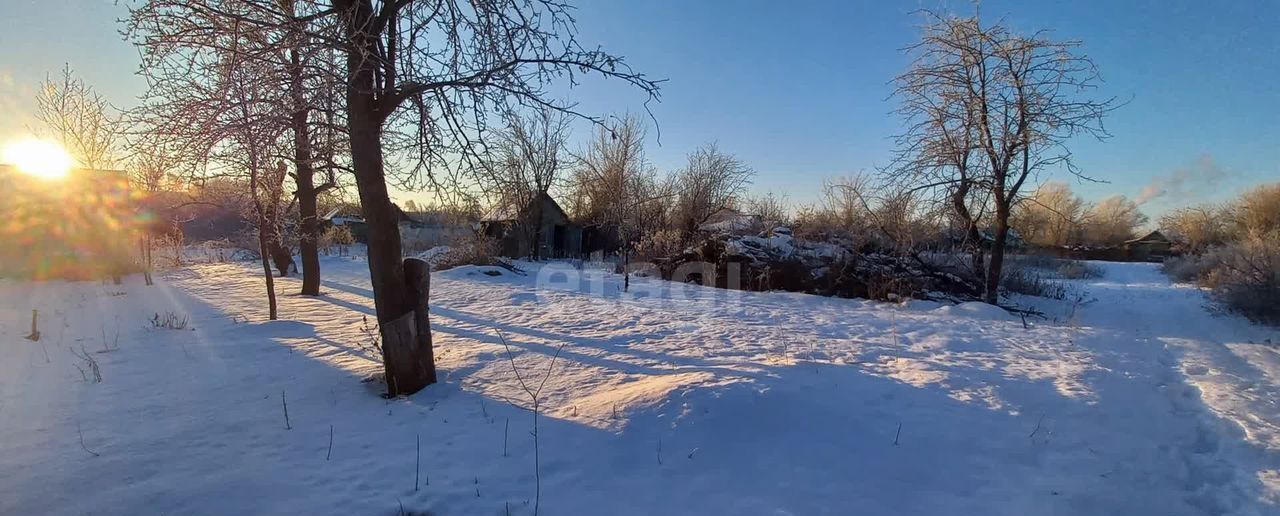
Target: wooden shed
539,229
1151,247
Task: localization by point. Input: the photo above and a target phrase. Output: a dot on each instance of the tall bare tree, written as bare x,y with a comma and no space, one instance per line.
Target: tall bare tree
1016,102
81,119
526,160
1112,221
284,42
712,180
219,97
433,69
615,186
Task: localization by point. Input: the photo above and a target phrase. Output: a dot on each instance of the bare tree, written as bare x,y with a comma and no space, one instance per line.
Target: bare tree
1113,221
712,180
772,209
616,187
1257,212
1052,216
523,164
1198,228
218,97
939,152
81,119
1015,101
185,41
431,70
152,164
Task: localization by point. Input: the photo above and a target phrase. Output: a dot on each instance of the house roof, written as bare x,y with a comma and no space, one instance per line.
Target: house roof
508,212
1154,236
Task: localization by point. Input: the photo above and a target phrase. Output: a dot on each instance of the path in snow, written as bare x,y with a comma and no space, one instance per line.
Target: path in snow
1218,375
670,399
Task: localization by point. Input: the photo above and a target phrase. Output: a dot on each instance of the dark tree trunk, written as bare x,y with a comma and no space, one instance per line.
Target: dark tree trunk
144,255
973,239
263,249
392,296
535,247
304,178
996,263
281,256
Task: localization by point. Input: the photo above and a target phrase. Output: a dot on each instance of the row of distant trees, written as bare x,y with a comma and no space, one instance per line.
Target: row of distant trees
1055,216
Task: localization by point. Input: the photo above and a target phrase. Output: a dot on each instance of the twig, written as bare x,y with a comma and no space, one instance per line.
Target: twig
506,426
82,446
34,336
659,450
896,435
534,394
417,460
285,404
330,452
1037,429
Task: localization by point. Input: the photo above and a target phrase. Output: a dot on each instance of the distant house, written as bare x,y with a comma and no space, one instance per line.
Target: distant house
511,225
1151,247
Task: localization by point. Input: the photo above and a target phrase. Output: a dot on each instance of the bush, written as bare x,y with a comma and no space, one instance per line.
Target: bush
1187,269
659,244
1056,267
1028,281
1076,269
476,249
1244,275
339,237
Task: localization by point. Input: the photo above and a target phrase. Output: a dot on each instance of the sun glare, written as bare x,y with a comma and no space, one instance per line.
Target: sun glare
38,158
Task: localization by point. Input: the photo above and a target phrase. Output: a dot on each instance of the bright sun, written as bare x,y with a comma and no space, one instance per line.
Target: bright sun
38,158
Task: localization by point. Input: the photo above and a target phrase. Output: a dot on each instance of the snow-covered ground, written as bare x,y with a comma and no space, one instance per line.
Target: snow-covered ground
671,399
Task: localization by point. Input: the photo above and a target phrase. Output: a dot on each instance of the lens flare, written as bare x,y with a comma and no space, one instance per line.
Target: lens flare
38,158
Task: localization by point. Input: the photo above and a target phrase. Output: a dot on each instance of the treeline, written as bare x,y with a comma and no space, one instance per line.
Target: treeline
1055,216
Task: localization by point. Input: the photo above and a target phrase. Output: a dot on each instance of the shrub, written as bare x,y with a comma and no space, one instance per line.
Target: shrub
1244,275
170,321
659,244
337,237
1028,281
1188,268
476,249
1056,267
1076,269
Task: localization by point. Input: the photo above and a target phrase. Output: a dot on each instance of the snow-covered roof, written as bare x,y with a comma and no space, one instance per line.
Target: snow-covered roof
1154,236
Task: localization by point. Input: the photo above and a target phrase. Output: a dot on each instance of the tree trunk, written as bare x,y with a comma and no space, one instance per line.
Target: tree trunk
266,269
392,297
972,237
281,256
535,248
996,263
304,177
144,255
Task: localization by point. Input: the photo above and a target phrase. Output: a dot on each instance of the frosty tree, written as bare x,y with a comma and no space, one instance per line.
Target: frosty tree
987,109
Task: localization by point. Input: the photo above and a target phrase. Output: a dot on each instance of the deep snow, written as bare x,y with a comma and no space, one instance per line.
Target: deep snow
1138,399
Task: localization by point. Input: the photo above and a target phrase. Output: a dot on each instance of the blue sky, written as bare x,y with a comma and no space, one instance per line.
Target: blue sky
799,89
